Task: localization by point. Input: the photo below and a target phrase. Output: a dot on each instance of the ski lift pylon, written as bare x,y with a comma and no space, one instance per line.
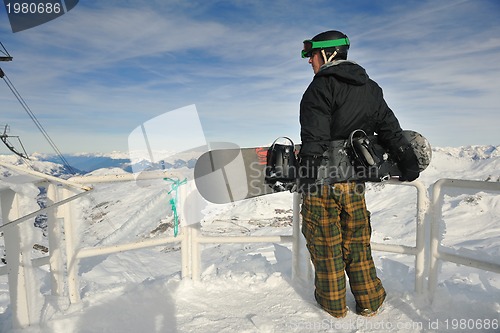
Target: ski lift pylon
4,54
5,139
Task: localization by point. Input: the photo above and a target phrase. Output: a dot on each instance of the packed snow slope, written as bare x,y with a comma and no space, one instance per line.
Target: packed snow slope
249,287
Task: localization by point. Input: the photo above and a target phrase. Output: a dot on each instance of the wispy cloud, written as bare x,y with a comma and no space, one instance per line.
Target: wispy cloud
106,67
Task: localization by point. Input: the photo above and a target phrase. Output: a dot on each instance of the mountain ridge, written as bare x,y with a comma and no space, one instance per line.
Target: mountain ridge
89,162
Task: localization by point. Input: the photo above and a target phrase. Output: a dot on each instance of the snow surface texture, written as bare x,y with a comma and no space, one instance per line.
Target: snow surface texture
248,287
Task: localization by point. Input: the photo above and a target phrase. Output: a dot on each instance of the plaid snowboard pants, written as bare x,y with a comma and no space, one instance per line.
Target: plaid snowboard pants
336,225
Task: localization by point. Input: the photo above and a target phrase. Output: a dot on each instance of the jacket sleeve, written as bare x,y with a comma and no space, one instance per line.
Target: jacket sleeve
315,118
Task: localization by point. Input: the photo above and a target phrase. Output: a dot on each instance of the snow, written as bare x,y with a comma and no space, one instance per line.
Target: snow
249,287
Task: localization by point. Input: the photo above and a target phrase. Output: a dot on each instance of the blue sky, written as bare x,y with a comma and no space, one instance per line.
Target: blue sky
98,72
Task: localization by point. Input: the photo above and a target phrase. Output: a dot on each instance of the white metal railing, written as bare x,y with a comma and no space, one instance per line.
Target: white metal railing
299,249
190,236
438,251
20,264
419,249
60,210
77,253
197,239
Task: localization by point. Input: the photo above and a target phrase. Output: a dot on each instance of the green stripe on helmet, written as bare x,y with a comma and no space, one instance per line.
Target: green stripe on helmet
323,44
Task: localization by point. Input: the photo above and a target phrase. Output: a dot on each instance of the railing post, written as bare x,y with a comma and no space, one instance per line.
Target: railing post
301,264
195,251
186,242
17,253
422,206
55,244
296,271
71,248
190,205
186,252
434,236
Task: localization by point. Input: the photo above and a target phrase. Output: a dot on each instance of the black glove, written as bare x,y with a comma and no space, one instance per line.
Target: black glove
309,166
308,173
407,163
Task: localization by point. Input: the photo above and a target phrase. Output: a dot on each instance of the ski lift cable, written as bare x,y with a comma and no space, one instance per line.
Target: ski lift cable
36,121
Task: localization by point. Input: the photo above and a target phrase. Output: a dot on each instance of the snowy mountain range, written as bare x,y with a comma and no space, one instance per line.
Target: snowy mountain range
87,162
84,163
248,287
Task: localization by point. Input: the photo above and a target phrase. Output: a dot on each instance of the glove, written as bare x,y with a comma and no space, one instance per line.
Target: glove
308,173
407,163
309,166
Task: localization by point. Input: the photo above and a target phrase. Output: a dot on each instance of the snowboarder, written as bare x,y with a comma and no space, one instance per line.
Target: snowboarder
336,223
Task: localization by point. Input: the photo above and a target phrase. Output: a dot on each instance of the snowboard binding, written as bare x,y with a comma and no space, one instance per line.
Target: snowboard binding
361,149
368,162
282,165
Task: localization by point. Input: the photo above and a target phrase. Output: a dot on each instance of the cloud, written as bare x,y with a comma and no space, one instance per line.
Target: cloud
112,65
438,62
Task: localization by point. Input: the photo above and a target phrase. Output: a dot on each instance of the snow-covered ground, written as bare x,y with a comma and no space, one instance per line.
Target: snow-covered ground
249,287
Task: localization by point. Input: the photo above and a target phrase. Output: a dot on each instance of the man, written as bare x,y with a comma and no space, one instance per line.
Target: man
336,223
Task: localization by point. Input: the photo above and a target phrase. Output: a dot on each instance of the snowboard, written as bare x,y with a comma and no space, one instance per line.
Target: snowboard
231,174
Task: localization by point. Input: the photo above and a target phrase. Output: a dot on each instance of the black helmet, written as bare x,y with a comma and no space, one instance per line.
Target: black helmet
330,41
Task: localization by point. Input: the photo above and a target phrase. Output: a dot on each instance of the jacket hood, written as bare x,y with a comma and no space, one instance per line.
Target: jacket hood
346,71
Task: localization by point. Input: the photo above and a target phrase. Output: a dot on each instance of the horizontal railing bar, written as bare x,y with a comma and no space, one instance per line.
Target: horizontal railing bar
399,249
470,184
45,176
467,261
243,239
126,177
97,251
37,262
43,210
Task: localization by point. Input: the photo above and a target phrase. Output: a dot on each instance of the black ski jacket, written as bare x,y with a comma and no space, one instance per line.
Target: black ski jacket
340,99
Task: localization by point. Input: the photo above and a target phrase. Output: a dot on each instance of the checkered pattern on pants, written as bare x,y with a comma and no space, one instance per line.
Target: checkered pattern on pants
336,225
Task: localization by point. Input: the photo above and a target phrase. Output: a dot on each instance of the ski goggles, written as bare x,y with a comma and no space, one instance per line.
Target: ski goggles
310,45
